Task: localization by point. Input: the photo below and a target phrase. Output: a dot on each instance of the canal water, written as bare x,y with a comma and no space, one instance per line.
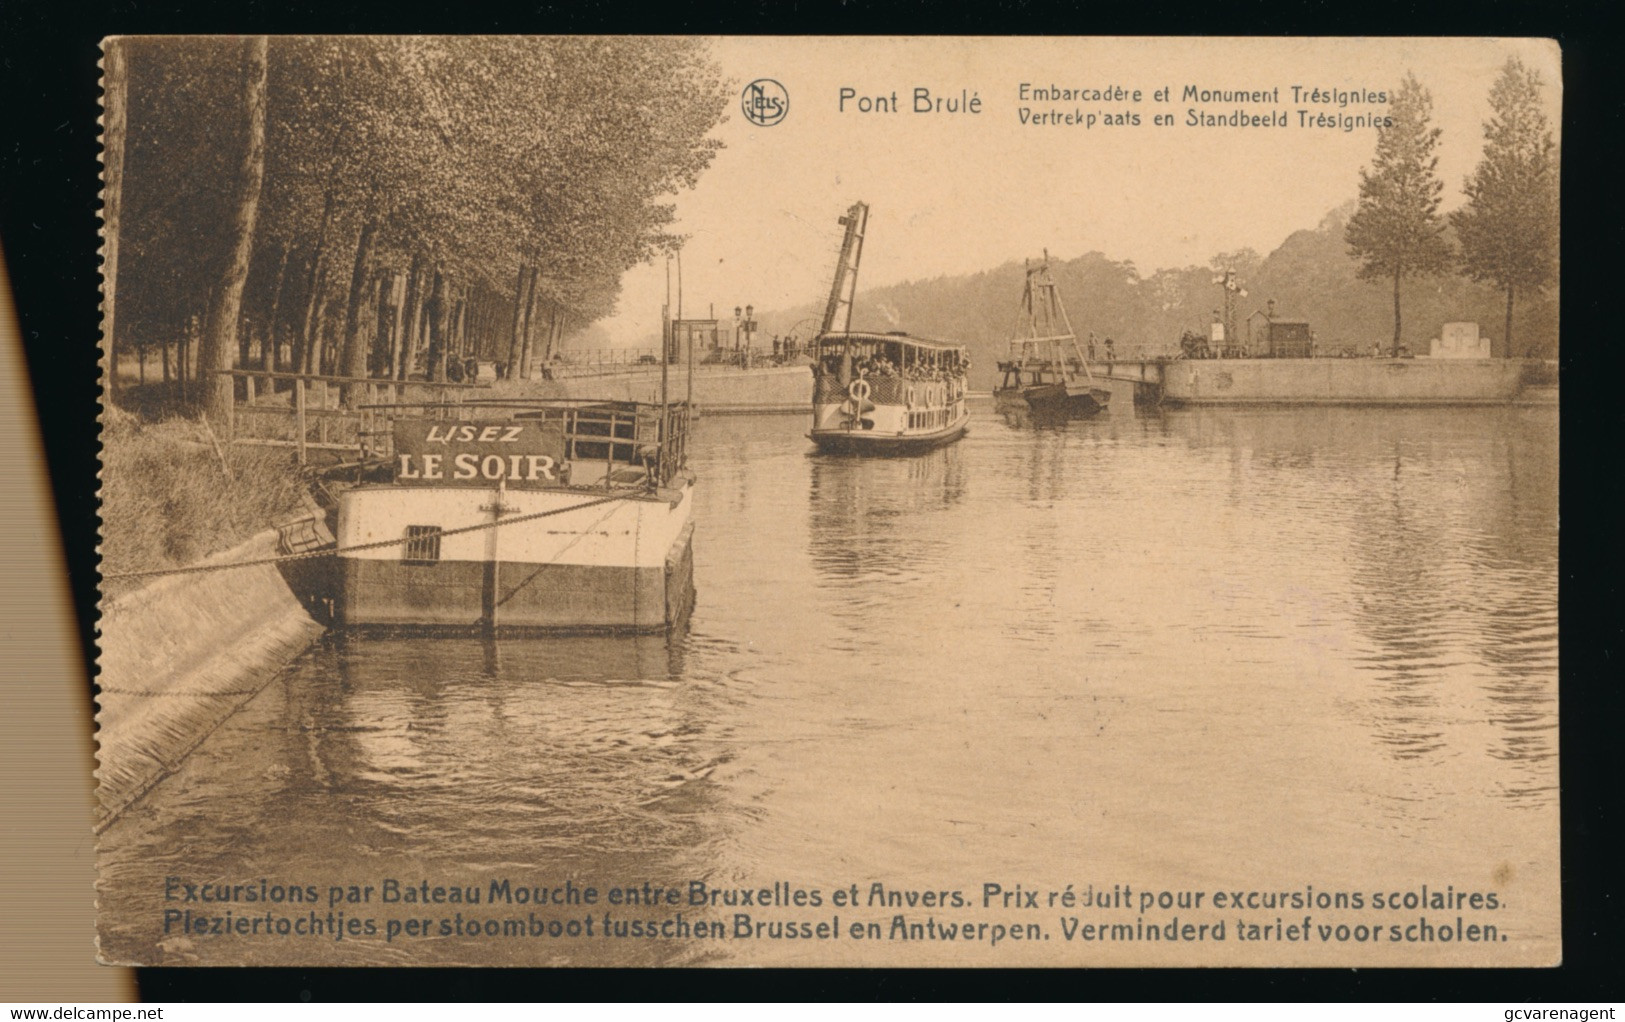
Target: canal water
1308,654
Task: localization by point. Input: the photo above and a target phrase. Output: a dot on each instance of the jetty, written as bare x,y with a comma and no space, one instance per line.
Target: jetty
1317,381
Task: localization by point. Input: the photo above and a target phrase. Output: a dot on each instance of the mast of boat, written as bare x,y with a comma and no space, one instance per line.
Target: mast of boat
1066,321
1042,299
1018,345
668,338
1031,348
690,333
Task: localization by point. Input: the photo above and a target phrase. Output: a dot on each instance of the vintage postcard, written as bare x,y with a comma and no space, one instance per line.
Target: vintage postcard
633,501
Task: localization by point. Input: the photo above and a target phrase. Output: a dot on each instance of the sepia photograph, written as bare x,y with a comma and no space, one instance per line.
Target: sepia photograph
627,501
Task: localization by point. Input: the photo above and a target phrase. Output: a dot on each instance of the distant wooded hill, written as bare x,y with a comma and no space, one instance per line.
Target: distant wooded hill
1310,276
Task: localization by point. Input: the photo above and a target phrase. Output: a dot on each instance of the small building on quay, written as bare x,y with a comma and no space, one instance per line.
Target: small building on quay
1269,336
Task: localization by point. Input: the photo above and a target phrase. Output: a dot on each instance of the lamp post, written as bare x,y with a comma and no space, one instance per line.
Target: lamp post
744,328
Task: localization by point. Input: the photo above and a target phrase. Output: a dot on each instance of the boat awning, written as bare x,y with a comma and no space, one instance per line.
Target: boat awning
907,340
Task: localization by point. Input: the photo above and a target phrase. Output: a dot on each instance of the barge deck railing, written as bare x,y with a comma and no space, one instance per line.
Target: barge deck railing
319,412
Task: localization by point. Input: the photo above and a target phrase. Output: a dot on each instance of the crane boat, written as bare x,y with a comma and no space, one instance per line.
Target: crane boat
881,393
1045,372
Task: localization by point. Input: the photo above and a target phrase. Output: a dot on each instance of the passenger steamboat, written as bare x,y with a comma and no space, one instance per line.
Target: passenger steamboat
887,393
881,393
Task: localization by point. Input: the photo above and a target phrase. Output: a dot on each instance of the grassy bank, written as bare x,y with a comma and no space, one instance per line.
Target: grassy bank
167,500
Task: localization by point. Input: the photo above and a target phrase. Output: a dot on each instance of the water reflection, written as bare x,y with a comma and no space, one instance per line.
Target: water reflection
1449,536
463,758
1018,414
865,513
576,731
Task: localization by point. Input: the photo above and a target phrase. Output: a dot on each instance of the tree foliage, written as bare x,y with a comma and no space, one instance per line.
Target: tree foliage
444,170
1309,275
1508,229
1396,231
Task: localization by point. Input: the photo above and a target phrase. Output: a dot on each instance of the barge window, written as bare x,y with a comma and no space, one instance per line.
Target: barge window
422,544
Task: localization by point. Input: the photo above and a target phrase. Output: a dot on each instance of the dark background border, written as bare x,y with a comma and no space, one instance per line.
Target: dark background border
48,205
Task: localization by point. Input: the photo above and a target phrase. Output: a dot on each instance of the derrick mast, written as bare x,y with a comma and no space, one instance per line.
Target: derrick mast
838,313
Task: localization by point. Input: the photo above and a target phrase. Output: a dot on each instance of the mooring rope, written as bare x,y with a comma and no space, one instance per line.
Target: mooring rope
307,555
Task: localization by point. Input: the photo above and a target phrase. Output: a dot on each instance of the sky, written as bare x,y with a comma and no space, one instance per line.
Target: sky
954,193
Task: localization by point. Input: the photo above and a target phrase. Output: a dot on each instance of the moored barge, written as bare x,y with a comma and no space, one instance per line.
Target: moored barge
539,516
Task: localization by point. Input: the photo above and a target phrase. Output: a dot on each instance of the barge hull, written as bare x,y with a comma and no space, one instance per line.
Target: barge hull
1054,401
547,598
590,565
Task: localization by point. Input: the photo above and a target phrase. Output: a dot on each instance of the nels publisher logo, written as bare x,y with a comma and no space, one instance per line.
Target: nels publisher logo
765,102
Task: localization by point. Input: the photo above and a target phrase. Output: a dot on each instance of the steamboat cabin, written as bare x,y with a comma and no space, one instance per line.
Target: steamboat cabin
887,393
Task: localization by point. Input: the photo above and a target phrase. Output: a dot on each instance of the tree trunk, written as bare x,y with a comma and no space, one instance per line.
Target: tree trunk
353,358
490,329
460,327
245,336
491,345
115,82
271,359
439,322
527,349
450,342
521,295
218,339
550,337
454,309
325,355
397,323
417,325
309,340
311,359
379,364
555,336
496,322
409,326
183,358
545,343
1507,333
1395,350
296,339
